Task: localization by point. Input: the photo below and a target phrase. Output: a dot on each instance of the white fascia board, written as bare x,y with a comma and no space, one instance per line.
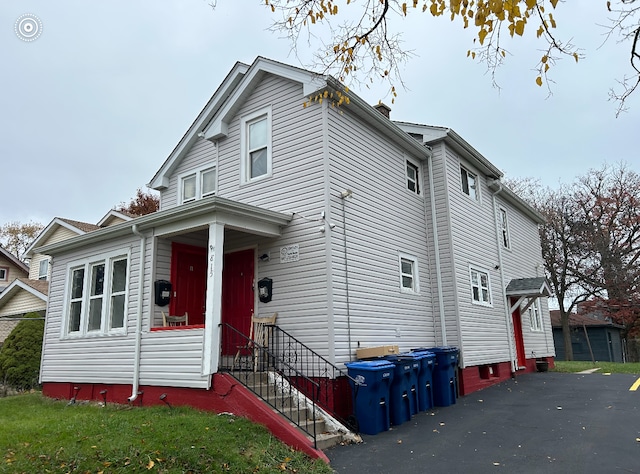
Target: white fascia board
161,179
311,82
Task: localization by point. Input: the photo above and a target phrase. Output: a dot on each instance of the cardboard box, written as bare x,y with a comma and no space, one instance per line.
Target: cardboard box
373,352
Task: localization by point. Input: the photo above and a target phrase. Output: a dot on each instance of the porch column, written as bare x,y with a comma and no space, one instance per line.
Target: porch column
213,301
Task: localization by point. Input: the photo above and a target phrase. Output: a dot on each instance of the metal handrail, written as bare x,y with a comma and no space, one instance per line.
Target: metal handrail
250,363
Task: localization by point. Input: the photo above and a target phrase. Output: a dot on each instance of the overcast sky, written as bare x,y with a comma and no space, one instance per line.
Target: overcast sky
92,107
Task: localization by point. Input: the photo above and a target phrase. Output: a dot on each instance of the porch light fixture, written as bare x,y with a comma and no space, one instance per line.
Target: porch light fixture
104,396
346,193
163,397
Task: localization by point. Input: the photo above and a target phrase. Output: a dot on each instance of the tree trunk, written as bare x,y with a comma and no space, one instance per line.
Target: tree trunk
566,334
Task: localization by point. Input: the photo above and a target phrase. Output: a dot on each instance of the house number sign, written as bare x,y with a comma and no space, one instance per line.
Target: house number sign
290,253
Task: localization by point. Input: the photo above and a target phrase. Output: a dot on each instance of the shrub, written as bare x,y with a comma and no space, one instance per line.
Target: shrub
20,354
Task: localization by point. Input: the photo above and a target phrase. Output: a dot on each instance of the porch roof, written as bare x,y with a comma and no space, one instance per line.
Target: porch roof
193,215
529,287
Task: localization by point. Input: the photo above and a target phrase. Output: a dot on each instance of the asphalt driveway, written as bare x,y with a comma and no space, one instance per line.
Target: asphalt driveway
539,422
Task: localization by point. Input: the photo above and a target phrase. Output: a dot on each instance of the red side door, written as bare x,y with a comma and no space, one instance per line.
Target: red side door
237,293
519,339
189,281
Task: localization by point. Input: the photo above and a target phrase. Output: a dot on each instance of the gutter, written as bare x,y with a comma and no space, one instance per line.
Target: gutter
507,316
138,340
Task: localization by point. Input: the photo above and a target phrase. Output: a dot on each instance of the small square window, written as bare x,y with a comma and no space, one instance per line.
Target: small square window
480,288
413,178
189,188
469,184
408,274
4,273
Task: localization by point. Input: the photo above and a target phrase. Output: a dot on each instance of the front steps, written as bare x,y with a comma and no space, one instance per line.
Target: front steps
292,405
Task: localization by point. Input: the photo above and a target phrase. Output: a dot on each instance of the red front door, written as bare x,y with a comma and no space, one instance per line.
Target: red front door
189,280
519,339
237,293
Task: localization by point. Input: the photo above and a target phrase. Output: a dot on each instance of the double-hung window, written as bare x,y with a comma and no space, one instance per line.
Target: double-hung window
504,229
256,145
480,287
469,182
408,274
413,177
43,269
534,316
198,184
97,295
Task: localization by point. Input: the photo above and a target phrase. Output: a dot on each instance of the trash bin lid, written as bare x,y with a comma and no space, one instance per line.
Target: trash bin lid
372,365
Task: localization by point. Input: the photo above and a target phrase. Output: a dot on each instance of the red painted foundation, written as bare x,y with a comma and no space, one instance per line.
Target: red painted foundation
474,378
225,395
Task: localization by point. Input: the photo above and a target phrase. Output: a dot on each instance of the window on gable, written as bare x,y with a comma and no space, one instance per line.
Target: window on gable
535,318
4,274
97,296
189,188
469,183
43,269
256,145
408,274
413,178
480,288
504,229
198,184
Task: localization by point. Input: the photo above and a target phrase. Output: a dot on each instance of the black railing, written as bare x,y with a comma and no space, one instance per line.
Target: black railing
256,367
294,368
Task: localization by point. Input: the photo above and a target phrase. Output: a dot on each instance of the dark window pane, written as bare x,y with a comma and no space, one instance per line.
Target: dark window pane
119,278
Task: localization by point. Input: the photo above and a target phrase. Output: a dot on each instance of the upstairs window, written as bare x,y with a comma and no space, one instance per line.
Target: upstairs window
256,143
504,229
43,269
480,288
413,178
198,184
469,183
4,274
97,294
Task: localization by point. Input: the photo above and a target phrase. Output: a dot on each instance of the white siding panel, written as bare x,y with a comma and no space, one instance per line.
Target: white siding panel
23,302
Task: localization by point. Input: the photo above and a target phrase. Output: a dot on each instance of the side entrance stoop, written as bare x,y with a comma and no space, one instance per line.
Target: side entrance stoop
290,404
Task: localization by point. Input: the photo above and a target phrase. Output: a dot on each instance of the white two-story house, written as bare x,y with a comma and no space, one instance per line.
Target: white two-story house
360,231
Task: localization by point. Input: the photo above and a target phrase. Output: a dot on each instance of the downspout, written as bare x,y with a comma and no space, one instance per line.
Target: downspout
136,363
436,249
507,315
344,195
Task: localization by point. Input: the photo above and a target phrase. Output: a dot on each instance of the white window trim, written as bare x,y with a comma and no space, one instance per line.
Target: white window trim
87,264
477,180
534,313
414,267
418,166
44,276
197,173
244,138
504,228
475,268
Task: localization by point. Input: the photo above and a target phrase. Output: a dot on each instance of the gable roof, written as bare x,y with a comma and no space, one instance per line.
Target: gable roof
78,227
538,286
14,260
579,320
213,121
37,288
114,217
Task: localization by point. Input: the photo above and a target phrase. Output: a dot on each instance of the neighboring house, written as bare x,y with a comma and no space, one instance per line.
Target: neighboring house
11,267
593,338
28,294
369,233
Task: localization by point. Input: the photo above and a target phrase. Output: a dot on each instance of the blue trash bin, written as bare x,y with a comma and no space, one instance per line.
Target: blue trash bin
425,378
404,387
370,384
445,381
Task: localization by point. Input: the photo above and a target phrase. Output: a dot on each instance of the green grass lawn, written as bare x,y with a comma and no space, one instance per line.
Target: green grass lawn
603,367
42,435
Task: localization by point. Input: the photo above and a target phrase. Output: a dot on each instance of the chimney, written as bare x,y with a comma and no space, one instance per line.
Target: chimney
383,109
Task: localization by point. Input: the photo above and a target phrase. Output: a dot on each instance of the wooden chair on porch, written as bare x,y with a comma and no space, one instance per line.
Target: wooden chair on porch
258,334
169,321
